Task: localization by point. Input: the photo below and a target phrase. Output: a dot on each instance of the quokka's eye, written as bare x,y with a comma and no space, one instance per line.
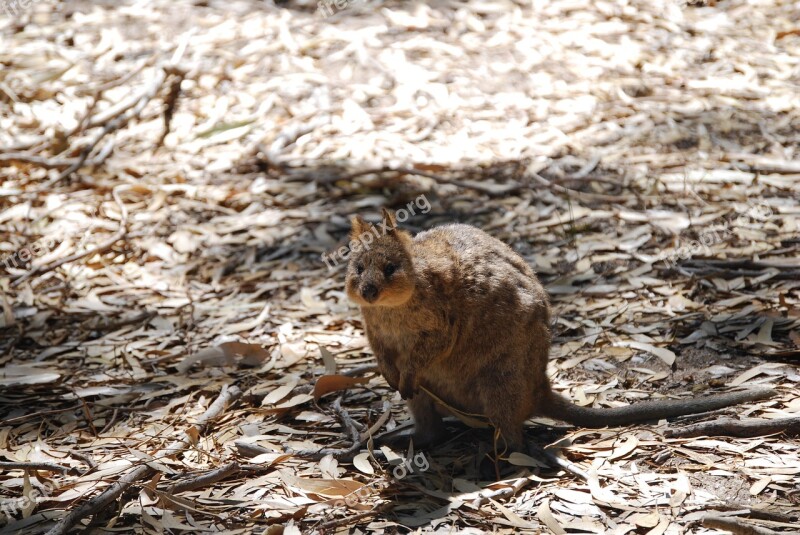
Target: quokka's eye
389,270
360,268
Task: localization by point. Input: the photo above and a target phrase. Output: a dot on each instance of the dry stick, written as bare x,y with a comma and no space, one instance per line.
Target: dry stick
359,439
758,514
54,163
753,427
742,263
123,229
765,164
737,527
477,186
101,88
227,396
380,422
346,420
205,479
26,417
505,492
87,459
580,195
49,467
39,161
782,274
114,325
565,464
171,101
111,126
353,518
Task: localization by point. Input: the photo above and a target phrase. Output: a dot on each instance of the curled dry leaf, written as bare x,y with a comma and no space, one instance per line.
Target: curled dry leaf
292,402
226,354
624,449
328,488
334,383
520,459
361,462
664,354
27,375
280,392
546,517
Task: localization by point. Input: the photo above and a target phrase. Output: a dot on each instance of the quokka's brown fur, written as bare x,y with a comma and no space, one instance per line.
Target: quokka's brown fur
457,313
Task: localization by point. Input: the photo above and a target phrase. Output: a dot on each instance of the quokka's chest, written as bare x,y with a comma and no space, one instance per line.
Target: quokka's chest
391,335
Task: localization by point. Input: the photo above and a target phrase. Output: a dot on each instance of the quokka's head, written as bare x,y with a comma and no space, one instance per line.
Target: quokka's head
380,271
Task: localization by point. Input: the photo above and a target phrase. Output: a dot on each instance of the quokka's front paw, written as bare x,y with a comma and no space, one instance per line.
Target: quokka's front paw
408,386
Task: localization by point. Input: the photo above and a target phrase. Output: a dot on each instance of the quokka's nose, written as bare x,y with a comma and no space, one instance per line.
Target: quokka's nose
369,292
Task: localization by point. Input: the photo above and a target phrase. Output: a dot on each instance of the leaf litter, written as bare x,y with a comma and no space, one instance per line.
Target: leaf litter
170,176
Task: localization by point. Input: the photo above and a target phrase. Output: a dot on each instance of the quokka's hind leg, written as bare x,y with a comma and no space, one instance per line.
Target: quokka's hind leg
510,437
428,425
500,397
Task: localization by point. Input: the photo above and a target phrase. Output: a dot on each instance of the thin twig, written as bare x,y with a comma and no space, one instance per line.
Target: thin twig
346,420
496,189
565,465
48,467
738,527
227,396
171,101
39,161
505,492
123,229
114,123
580,195
753,427
332,524
359,440
205,479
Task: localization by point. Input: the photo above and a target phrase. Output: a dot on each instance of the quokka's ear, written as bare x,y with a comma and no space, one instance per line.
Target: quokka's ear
388,220
358,226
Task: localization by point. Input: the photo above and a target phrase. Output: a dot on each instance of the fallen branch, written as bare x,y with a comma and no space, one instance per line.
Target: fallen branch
757,514
765,164
565,465
331,524
45,467
39,161
505,492
119,115
739,527
728,427
482,187
580,195
111,326
171,101
113,491
123,229
358,440
111,126
347,421
708,272
205,479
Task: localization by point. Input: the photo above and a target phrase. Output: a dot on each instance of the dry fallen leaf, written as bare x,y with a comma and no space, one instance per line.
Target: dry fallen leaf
664,354
333,383
226,354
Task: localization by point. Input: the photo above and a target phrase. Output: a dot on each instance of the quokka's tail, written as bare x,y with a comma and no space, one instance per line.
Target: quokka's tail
561,408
